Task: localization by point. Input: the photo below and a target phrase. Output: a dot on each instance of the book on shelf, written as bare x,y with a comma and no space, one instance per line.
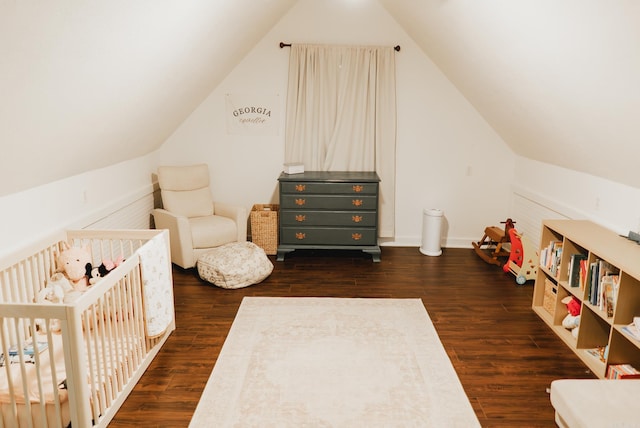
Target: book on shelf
599,270
632,330
592,282
553,257
574,269
584,268
599,352
622,371
609,285
550,256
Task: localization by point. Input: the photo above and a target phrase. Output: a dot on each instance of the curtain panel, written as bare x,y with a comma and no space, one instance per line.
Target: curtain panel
341,115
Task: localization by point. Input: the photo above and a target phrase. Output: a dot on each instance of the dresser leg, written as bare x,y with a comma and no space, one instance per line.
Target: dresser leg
375,253
282,252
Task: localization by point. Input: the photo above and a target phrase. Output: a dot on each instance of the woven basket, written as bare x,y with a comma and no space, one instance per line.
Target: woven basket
264,227
550,296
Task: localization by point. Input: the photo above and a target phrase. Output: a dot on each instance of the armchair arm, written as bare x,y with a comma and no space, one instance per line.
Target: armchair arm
179,236
235,213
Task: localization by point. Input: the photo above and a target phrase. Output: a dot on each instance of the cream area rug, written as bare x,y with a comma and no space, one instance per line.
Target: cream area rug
329,362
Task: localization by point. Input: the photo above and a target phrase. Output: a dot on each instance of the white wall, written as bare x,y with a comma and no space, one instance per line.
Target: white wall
578,195
447,156
74,202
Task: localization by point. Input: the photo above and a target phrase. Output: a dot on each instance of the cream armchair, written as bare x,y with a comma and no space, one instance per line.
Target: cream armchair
195,222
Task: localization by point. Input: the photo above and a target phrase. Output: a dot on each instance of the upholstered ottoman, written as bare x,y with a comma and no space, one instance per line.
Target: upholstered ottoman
234,265
596,403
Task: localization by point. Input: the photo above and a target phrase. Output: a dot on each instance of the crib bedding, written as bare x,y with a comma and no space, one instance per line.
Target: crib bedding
99,361
47,378
34,386
157,286
37,418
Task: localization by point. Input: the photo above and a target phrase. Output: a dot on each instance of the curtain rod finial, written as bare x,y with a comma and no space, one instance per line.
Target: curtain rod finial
397,48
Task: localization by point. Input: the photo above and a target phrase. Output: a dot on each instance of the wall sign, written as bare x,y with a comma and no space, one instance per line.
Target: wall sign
252,114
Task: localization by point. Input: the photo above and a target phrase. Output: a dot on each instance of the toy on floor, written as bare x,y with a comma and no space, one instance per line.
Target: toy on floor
493,239
523,258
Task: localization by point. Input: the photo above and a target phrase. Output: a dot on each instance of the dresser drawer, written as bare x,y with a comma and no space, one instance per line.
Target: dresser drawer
329,188
328,236
333,202
328,218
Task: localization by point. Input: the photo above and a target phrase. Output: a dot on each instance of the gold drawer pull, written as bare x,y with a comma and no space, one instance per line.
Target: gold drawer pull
356,218
300,187
300,235
357,202
358,188
356,236
300,202
301,218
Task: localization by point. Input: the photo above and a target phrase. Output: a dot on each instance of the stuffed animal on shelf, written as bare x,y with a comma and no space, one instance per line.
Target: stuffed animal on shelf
107,266
572,320
75,263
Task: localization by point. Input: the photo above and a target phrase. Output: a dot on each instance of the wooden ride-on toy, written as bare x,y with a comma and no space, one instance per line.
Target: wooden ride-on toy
489,248
523,258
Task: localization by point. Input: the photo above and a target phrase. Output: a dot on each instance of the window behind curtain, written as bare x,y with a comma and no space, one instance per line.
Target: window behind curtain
341,114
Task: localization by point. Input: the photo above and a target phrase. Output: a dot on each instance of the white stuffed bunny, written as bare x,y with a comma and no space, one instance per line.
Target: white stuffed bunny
57,290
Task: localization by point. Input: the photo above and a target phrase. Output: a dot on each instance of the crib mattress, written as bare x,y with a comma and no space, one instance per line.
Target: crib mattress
52,385
33,394
33,386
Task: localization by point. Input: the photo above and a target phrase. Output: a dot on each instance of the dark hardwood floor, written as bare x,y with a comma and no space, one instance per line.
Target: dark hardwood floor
505,356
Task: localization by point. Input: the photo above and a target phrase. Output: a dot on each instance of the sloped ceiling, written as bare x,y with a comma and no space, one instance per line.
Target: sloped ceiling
558,80
88,84
85,85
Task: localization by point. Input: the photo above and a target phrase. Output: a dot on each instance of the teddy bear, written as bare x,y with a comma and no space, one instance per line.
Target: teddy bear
75,263
572,320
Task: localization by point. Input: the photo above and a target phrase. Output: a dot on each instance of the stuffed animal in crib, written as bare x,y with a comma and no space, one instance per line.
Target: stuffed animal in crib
101,271
57,286
57,290
75,263
572,320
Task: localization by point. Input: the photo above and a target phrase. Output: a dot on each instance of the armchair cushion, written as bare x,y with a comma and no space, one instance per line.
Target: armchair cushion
212,231
179,178
185,190
192,203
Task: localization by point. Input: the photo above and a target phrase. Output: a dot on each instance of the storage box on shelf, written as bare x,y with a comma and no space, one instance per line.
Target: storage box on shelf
550,296
607,306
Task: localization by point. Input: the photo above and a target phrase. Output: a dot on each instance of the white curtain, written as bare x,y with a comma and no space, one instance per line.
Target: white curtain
341,114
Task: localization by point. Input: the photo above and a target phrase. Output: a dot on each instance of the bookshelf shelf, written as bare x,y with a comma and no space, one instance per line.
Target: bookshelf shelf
575,255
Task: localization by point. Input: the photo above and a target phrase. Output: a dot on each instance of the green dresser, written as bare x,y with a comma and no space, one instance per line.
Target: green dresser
329,210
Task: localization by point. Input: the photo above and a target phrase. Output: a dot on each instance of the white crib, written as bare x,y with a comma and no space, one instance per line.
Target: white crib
107,337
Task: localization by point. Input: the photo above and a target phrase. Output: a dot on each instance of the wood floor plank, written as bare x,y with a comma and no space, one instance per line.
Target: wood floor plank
505,356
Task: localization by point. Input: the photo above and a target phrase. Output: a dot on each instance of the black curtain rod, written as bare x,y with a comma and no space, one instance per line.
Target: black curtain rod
287,45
